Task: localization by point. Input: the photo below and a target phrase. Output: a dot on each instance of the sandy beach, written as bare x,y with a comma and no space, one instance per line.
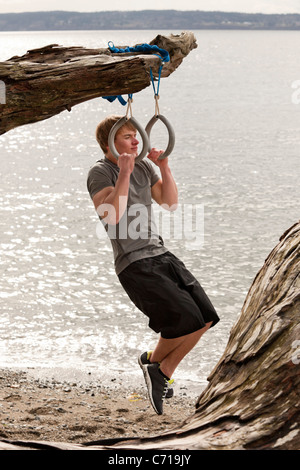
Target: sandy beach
34,407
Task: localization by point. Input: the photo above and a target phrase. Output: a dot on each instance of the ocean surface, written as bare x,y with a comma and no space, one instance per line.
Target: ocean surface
232,105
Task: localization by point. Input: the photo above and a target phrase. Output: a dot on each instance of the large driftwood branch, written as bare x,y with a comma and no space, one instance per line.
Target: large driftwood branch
252,399
47,81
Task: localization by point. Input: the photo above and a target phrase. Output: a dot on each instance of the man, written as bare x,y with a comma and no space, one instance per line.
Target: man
156,281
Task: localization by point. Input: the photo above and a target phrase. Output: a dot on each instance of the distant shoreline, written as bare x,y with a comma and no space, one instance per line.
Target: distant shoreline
147,20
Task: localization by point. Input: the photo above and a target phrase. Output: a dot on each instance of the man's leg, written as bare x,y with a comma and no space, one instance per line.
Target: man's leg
163,361
170,352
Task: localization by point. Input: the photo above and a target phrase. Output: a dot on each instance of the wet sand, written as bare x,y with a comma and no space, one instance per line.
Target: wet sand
38,407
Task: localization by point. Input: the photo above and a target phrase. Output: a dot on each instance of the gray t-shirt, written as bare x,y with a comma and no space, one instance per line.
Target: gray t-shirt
135,236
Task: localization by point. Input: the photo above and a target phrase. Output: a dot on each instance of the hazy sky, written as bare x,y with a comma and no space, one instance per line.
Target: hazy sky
249,6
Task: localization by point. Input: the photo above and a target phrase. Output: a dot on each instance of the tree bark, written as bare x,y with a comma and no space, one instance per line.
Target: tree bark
49,80
252,399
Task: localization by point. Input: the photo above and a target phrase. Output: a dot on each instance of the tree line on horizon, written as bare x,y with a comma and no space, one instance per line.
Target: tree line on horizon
146,19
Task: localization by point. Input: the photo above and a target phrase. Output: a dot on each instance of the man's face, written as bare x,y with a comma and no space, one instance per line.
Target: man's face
126,141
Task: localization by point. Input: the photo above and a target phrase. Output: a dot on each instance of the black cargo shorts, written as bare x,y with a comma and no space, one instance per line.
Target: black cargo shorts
168,293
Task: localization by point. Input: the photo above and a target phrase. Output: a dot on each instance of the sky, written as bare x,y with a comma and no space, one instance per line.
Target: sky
245,6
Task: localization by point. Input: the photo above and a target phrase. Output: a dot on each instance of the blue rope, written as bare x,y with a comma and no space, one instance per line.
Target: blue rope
161,53
113,98
152,80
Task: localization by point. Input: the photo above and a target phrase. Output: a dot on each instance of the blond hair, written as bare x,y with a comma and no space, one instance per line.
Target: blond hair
104,128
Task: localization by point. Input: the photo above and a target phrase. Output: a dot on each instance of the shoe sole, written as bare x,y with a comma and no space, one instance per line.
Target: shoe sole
149,388
140,363
148,383
147,380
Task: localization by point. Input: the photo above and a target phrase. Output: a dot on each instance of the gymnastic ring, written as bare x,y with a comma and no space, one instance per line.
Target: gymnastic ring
121,122
171,133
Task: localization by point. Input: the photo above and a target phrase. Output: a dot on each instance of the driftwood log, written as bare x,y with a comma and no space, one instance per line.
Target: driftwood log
47,81
252,399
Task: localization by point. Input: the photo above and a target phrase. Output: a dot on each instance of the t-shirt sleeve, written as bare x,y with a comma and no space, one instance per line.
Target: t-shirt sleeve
98,179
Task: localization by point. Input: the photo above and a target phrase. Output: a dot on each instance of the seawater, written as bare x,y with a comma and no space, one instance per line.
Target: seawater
236,155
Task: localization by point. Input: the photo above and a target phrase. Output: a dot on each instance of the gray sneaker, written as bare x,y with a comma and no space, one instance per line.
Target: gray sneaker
157,386
143,360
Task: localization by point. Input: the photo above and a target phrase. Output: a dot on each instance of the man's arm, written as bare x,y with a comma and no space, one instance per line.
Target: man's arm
164,192
111,202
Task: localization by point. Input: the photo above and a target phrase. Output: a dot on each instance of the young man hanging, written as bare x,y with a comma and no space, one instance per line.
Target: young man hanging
156,281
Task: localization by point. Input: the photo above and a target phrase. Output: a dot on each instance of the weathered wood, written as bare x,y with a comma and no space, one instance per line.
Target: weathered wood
252,399
49,80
